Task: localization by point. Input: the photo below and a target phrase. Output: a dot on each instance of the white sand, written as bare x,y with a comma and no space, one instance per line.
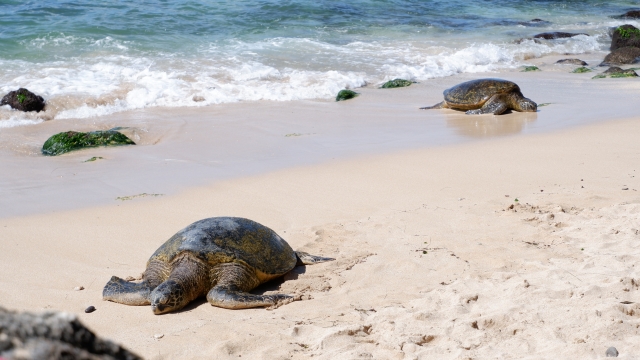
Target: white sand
435,258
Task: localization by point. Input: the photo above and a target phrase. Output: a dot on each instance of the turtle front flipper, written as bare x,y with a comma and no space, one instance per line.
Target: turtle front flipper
440,105
233,281
125,292
230,297
308,259
496,105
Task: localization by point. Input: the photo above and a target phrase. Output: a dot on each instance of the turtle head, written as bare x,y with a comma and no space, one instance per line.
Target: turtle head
168,296
525,104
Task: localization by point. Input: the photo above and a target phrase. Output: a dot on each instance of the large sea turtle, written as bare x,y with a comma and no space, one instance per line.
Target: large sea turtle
485,96
223,258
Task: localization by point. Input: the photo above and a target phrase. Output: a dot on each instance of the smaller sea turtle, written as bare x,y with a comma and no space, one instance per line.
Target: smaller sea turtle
485,96
222,258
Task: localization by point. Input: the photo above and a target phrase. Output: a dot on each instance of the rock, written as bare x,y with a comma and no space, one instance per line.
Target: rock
556,35
625,35
534,22
395,83
581,70
631,14
571,62
346,95
616,72
530,68
78,288
197,98
53,335
611,352
90,309
625,55
72,140
158,336
23,100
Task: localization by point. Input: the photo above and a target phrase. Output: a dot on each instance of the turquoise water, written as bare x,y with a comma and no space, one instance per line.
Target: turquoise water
91,59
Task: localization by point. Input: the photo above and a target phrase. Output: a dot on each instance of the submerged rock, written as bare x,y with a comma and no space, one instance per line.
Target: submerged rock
396,83
571,62
53,335
625,35
346,95
72,140
556,35
616,72
625,55
530,68
23,100
631,14
534,22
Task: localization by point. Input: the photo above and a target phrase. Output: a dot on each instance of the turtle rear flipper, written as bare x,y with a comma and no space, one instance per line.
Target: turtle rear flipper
440,105
125,292
308,259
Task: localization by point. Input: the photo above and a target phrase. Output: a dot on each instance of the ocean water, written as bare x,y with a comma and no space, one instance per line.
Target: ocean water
89,58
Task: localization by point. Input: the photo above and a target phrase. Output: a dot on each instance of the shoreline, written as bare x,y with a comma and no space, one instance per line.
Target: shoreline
426,241
183,148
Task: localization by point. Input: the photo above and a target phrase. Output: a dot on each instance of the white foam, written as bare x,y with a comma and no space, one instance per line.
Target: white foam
281,69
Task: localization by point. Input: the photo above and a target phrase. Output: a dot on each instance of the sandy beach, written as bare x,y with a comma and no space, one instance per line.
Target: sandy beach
455,237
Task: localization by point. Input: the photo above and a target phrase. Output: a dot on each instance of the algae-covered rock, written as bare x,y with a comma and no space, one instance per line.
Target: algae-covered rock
346,95
581,70
625,35
616,72
530,68
395,83
23,100
73,140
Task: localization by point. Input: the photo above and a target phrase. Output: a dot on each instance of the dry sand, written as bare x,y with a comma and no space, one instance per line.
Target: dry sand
518,247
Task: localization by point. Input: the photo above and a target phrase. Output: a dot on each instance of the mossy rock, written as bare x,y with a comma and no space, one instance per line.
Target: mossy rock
581,70
396,83
346,95
73,140
530,68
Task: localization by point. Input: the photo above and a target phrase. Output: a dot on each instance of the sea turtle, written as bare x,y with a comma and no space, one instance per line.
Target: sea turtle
221,257
484,96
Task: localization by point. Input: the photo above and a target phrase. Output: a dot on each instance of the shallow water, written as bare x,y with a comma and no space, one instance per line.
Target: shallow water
91,59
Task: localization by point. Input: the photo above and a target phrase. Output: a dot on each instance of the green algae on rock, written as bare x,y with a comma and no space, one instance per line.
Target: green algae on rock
72,140
396,83
581,70
530,68
346,95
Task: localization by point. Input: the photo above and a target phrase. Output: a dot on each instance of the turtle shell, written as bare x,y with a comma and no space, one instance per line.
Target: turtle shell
473,94
230,239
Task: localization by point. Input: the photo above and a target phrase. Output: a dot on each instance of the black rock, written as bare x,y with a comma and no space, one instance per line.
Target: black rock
534,22
556,35
90,309
23,100
631,14
396,83
625,35
625,55
611,352
53,335
571,62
